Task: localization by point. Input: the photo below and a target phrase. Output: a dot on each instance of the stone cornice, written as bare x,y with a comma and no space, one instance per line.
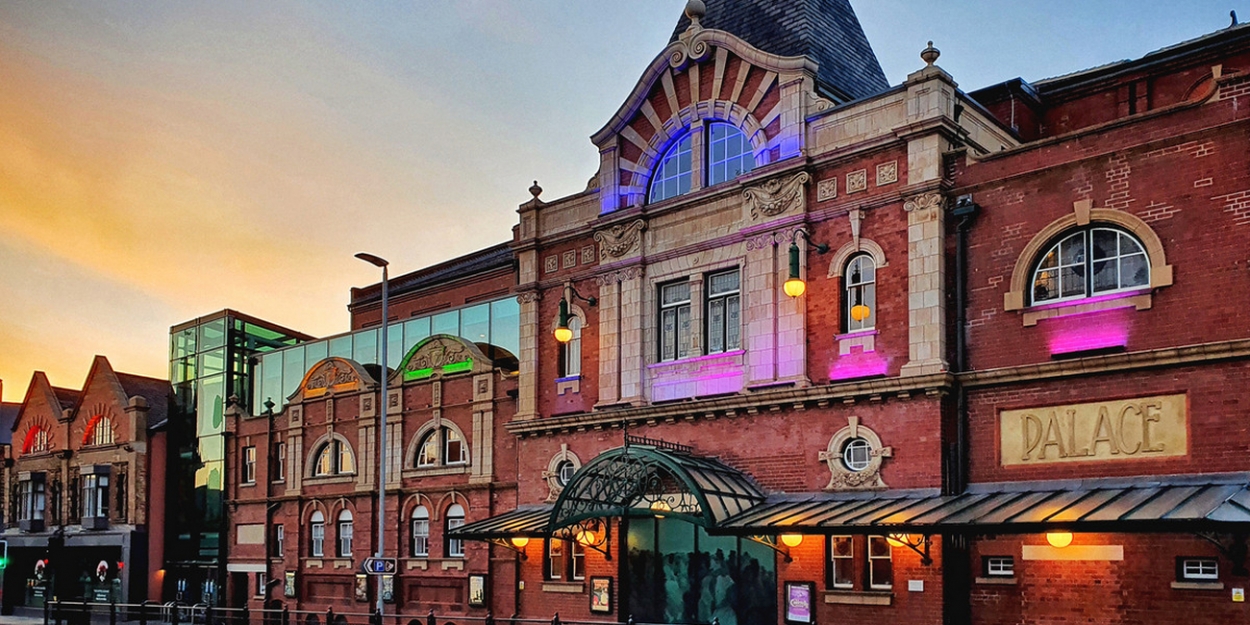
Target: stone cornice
741,405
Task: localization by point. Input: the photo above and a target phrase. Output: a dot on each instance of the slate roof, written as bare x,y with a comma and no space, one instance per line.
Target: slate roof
8,416
826,31
158,393
67,396
481,261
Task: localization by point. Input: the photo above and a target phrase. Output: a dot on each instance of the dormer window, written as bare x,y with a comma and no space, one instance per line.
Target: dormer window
726,156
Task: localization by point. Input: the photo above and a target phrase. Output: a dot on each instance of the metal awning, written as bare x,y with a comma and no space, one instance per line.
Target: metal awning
1154,503
528,521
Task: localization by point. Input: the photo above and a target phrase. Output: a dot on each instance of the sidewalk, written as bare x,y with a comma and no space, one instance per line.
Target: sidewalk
21,620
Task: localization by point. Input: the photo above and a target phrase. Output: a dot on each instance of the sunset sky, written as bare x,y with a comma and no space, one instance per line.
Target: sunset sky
163,160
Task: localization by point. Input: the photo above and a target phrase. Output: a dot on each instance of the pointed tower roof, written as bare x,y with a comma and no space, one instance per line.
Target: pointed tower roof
826,31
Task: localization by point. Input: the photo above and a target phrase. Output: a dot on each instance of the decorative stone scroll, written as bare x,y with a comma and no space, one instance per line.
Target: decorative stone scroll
843,477
620,275
928,205
620,239
332,375
776,196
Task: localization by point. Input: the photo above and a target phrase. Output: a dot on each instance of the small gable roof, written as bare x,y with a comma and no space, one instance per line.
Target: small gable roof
826,31
158,392
8,418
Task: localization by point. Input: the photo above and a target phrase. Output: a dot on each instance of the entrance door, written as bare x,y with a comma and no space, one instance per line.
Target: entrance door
238,589
674,572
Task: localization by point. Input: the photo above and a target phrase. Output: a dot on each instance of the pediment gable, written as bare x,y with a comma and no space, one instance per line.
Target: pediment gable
40,411
440,355
330,376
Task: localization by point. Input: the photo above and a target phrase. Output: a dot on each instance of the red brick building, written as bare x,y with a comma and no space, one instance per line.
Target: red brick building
1004,393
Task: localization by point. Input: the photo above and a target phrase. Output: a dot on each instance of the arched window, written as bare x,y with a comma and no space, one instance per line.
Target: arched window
455,518
672,175
443,439
859,294
99,431
345,534
36,441
571,356
334,458
420,532
1090,261
565,471
317,534
729,153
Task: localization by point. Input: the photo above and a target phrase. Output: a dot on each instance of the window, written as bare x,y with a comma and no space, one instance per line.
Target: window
857,454
571,354
249,465
333,458
279,541
729,153
455,518
317,532
672,176
674,321
1068,270
998,566
420,532
32,498
724,323
451,444
99,431
1197,569
565,471
859,295
841,562
260,584
880,563
36,441
345,534
95,495
566,560
279,462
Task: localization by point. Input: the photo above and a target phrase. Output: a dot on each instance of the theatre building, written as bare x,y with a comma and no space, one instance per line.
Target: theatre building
82,491
810,347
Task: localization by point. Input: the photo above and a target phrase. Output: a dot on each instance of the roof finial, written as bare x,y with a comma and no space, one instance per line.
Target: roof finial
536,190
1233,14
930,54
695,10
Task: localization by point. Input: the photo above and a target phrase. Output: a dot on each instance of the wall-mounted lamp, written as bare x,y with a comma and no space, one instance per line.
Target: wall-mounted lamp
516,543
795,286
792,540
1059,540
563,333
916,542
520,542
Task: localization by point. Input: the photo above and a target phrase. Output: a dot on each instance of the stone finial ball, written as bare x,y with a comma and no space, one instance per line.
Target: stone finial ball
536,190
695,10
930,54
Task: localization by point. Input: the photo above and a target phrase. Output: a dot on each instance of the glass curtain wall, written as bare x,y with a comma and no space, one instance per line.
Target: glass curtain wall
495,324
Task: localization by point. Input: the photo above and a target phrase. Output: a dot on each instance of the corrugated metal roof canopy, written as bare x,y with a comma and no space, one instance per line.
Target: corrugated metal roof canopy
529,521
1152,503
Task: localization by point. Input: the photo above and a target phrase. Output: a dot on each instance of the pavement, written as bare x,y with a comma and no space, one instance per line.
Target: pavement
21,620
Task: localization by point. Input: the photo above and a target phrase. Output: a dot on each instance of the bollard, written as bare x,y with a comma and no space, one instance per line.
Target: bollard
329,616
286,615
86,614
143,613
246,615
490,618
173,614
47,612
555,620
512,621
112,612
429,619
630,620
208,615
376,617
715,620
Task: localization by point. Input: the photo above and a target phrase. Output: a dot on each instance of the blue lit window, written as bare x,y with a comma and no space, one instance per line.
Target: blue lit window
729,154
672,177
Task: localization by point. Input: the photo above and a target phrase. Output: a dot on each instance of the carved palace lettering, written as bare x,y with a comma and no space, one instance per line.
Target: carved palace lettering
1114,430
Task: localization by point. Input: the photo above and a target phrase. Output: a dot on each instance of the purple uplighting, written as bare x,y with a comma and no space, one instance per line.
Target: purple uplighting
1088,331
859,364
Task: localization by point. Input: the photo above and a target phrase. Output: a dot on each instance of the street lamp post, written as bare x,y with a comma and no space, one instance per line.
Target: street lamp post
379,262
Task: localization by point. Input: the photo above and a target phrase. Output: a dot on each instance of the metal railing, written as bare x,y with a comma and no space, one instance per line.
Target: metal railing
173,613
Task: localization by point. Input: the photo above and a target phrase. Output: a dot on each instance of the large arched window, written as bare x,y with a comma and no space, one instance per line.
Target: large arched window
859,294
346,531
672,175
317,534
729,153
455,518
441,446
334,458
1087,262
99,431
36,441
420,532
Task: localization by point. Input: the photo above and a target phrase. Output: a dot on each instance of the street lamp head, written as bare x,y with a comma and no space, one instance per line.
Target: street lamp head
377,261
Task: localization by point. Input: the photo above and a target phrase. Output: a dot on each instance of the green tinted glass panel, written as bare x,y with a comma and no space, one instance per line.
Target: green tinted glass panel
209,412
475,323
182,369
415,330
365,347
212,448
394,345
505,325
293,370
315,353
213,334
446,323
271,380
183,343
341,346
212,362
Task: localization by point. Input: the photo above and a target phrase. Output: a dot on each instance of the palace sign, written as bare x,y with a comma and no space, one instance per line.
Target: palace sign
1149,427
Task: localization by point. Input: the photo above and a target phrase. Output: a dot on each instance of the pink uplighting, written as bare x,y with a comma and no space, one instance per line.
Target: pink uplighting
859,364
1088,331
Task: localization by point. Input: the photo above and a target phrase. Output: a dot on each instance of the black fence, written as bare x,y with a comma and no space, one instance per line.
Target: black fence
149,612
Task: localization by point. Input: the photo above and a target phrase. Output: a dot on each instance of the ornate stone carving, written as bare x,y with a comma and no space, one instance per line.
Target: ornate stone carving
551,264
827,189
927,202
857,181
552,474
438,352
844,477
527,297
887,173
569,259
621,275
620,239
776,196
816,104
333,374
588,255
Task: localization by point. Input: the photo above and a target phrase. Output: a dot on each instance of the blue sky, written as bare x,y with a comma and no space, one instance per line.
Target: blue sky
160,161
